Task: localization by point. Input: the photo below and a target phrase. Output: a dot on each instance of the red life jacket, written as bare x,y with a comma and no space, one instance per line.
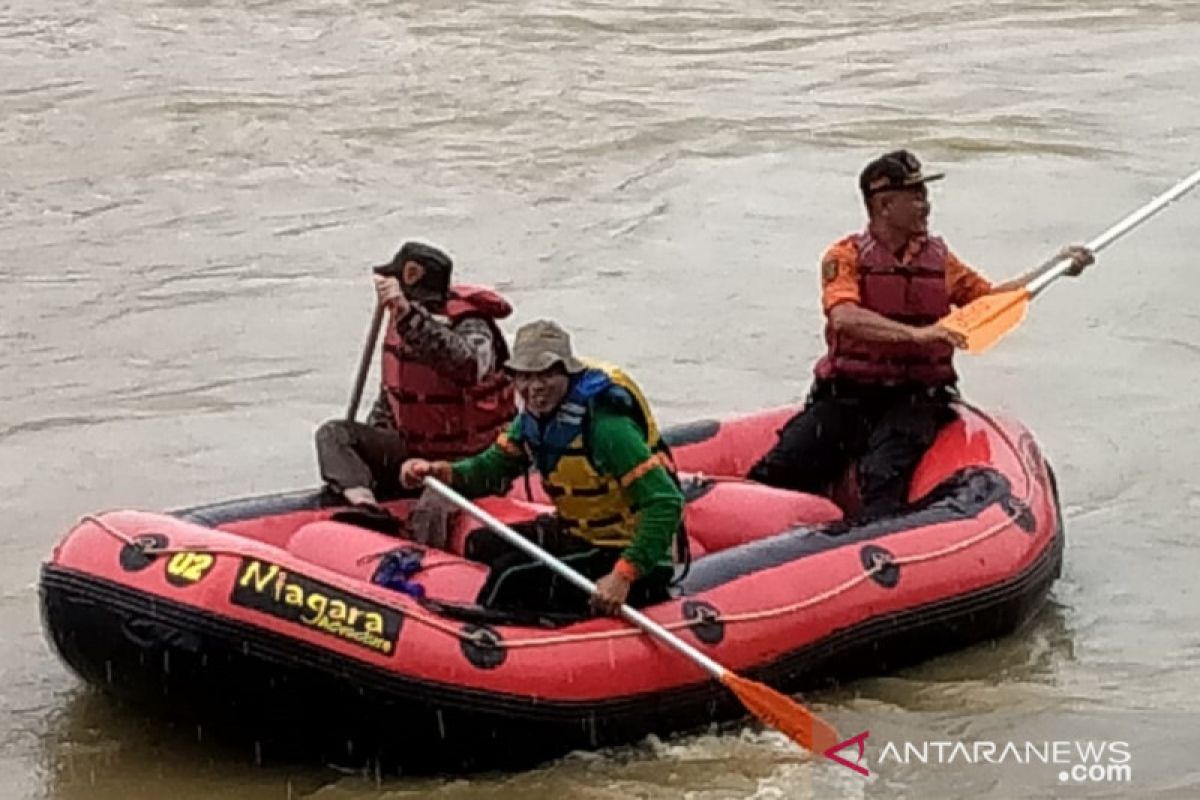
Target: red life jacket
913,293
440,418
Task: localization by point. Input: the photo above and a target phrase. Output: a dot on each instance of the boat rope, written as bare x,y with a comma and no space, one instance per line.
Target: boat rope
146,544
484,638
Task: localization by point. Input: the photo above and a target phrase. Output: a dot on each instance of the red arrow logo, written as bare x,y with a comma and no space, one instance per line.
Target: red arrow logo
861,741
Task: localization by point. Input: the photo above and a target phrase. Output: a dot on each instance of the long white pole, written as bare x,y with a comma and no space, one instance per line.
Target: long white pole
1060,267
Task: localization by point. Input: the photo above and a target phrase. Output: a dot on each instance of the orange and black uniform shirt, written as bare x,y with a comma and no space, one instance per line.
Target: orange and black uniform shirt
839,275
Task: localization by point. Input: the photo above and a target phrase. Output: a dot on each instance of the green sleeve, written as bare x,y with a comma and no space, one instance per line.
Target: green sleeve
619,447
489,472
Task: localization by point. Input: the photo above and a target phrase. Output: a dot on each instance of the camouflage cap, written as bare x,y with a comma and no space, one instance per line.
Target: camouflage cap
539,346
428,279
892,171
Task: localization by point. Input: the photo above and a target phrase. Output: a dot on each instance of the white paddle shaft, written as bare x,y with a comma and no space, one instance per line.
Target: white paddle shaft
1060,266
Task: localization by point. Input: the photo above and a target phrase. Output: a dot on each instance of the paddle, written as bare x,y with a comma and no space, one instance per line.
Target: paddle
775,709
364,365
391,270
983,322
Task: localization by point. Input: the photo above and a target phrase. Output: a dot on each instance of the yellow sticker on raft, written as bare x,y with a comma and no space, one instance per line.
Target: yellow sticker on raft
298,599
185,569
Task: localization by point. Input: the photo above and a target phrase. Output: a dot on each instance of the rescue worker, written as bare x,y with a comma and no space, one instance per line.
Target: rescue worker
883,389
590,434
444,390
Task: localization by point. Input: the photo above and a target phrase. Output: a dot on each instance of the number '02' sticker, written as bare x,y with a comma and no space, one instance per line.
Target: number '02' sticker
185,569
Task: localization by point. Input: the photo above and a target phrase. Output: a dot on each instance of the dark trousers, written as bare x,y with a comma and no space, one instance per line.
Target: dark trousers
351,454
519,582
884,429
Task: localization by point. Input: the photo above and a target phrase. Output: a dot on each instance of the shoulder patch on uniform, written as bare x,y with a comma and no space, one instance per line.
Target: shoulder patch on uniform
829,268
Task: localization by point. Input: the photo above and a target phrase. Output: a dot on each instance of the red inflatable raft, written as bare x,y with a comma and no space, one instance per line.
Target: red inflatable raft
262,612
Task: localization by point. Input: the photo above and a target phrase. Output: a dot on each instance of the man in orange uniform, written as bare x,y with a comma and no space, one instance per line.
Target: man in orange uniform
883,389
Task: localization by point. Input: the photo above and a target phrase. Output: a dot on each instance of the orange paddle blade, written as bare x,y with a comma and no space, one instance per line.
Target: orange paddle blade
783,713
984,321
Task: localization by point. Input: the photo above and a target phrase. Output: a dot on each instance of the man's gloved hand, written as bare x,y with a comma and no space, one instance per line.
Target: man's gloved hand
414,471
1081,258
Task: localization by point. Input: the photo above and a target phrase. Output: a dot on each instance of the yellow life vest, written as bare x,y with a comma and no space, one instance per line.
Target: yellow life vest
593,505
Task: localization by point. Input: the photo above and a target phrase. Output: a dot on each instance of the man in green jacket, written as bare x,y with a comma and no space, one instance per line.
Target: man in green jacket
590,434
